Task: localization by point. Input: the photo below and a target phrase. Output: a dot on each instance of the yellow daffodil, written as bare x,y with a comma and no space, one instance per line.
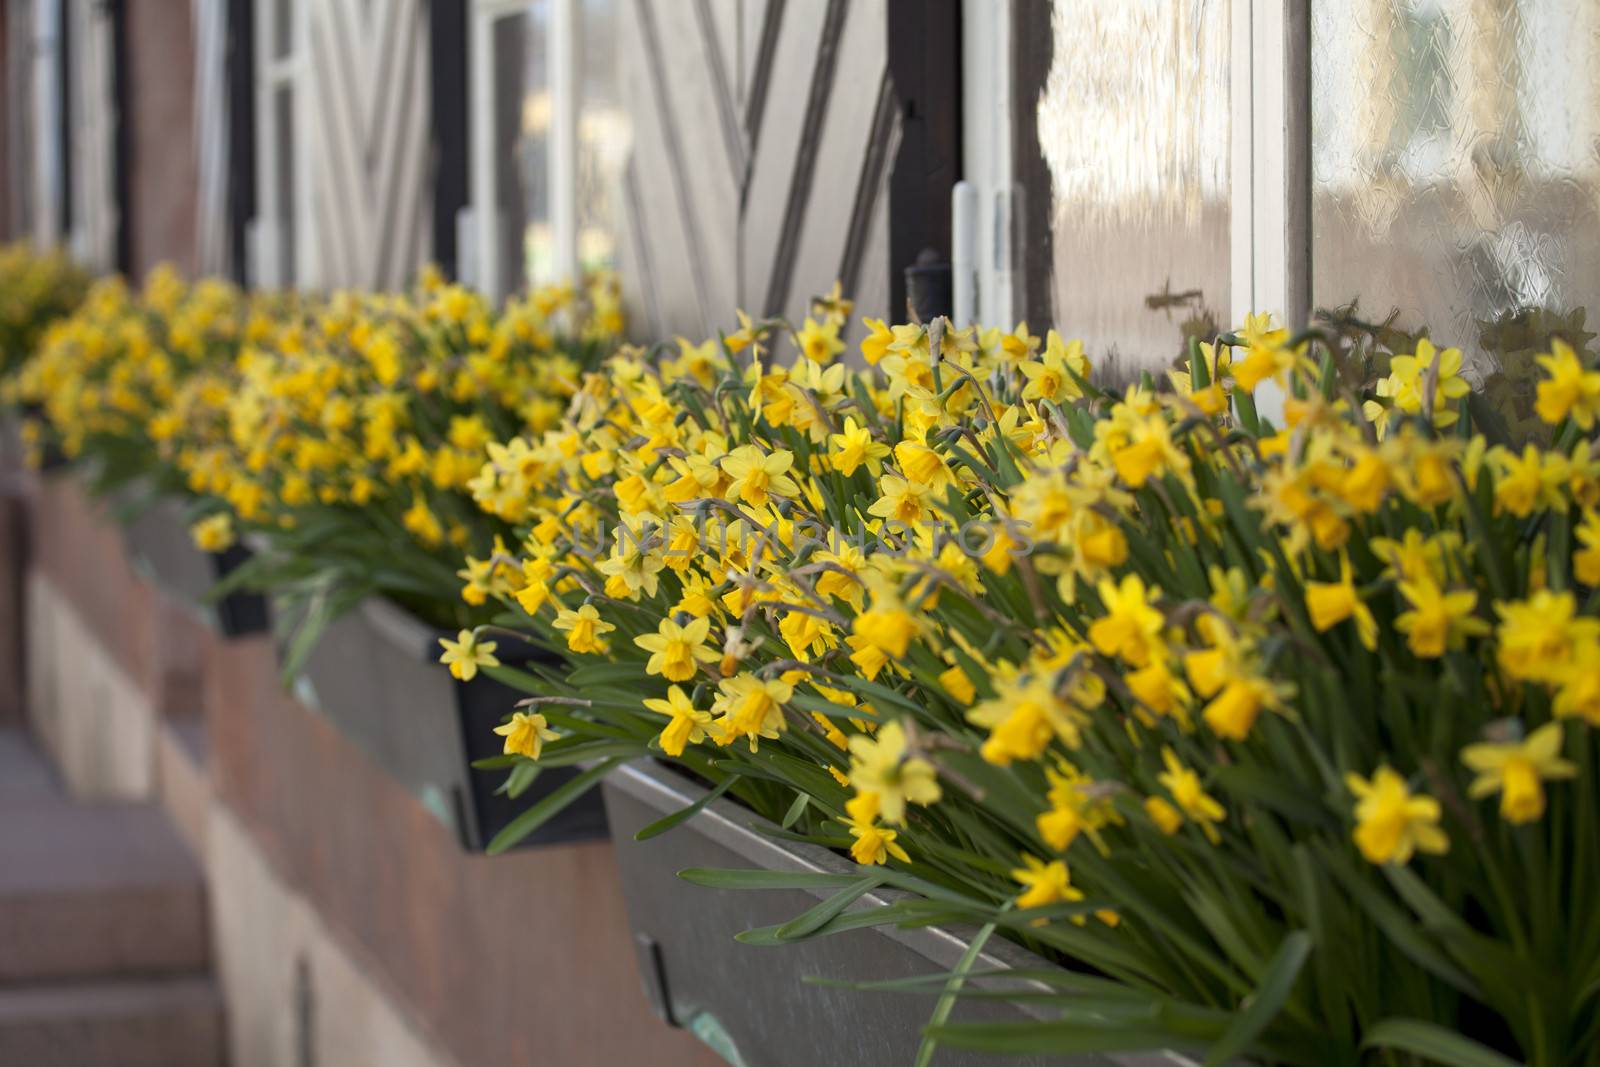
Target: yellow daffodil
1132,626
584,629
881,765
873,844
1044,883
1518,771
1537,636
676,651
1187,792
751,708
1392,823
687,726
855,447
1571,390
819,341
526,734
758,475
880,634
466,654
1437,620
1050,377
1330,603
214,533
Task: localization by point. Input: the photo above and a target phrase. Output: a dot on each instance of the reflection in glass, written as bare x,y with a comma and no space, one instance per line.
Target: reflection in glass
522,133
283,127
523,111
604,137
1456,177
282,28
1133,123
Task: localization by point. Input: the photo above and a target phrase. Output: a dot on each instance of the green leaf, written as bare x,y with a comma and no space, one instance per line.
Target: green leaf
683,814
551,806
947,999
813,919
601,673
521,681
522,776
1058,1037
583,752
1264,1004
1434,1043
797,809
889,915
733,878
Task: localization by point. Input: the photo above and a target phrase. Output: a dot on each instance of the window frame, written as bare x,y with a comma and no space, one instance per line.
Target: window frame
277,209
1270,119
1270,149
477,249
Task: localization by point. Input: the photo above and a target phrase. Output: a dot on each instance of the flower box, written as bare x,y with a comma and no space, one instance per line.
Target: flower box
750,1002
162,548
375,673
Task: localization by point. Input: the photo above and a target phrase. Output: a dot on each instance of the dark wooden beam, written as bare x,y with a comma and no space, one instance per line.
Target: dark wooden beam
1031,44
447,44
121,138
240,59
925,69
64,119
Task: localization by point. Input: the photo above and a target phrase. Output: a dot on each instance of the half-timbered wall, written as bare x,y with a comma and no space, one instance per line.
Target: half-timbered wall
92,114
212,232
762,133
367,141
342,154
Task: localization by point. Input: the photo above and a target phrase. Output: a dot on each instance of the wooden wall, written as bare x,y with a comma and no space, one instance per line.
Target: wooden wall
762,132
364,132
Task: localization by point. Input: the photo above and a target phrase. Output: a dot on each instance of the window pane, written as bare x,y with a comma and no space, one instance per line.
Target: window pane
604,137
522,139
1456,173
1133,123
283,129
282,27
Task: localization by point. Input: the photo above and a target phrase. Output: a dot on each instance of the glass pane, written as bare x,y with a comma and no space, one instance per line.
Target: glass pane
604,137
522,136
282,27
283,129
1456,170
1133,123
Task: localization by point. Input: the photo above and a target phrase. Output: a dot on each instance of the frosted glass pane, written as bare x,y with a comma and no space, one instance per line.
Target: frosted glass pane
1133,124
1456,175
522,138
604,137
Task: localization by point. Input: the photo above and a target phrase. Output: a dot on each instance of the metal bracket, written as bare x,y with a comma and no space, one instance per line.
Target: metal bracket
653,971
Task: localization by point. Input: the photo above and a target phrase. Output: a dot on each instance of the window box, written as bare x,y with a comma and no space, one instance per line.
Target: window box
163,550
750,1002
375,673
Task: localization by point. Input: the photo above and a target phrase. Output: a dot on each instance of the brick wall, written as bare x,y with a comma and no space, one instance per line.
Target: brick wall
162,175
330,883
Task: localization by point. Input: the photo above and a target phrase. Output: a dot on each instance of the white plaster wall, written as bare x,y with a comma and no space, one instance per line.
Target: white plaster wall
96,723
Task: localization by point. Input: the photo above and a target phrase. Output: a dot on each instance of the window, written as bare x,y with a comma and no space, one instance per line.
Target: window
1432,163
1133,125
275,237
1455,164
549,138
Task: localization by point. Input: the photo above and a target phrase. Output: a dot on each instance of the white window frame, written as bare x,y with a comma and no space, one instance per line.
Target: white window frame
480,255
267,234
48,144
1270,240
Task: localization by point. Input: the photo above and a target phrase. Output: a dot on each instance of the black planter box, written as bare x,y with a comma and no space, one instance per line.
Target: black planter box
376,673
163,549
749,1002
